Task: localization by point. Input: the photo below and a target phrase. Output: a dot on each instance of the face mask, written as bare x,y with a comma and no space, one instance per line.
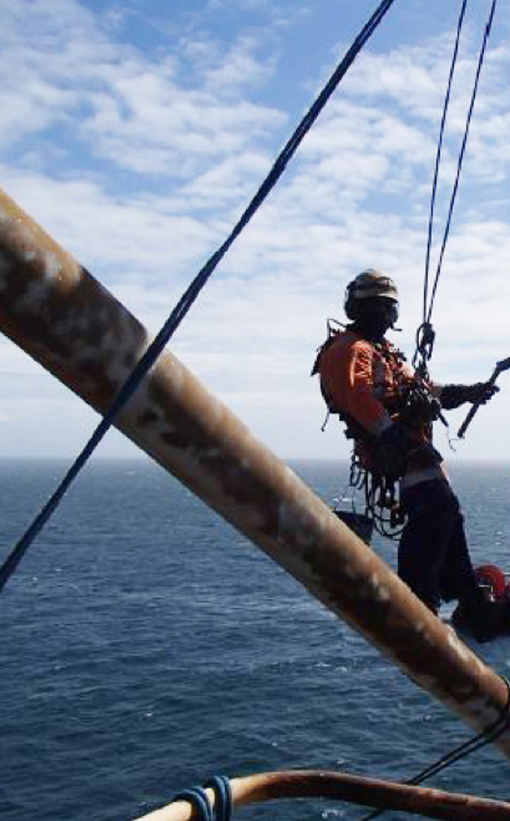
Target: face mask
376,318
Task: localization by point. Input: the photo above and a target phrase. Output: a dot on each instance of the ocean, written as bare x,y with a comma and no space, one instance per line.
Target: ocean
146,646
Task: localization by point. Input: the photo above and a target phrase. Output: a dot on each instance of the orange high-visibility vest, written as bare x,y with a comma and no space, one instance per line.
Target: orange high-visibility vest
363,380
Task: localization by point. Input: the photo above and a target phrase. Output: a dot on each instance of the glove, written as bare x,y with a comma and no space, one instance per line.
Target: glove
390,452
453,396
395,446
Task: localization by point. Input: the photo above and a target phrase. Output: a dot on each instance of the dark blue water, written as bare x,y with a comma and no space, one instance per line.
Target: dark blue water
146,646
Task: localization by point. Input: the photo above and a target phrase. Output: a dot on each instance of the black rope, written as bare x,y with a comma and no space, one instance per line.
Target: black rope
425,334
474,744
380,499
191,294
438,157
487,32
425,346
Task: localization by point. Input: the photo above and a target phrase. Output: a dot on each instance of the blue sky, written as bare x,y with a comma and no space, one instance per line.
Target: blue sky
136,133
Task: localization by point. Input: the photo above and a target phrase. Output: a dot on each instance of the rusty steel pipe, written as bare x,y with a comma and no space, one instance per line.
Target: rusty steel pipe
354,789
53,309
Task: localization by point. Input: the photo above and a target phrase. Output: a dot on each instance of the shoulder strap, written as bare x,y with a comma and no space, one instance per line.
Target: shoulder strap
334,328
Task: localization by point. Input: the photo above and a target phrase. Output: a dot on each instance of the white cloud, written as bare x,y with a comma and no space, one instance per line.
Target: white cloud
150,127
138,238
227,72
131,108
138,161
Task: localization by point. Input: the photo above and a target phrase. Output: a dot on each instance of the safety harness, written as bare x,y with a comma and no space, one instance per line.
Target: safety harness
374,469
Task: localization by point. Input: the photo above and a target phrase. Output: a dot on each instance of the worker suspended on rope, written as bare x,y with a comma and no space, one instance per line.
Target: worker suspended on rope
388,410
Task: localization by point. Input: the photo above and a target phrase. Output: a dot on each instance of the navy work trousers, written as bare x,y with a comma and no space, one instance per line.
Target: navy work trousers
433,556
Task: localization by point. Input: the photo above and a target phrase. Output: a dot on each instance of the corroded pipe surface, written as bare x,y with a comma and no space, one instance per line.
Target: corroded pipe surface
369,792
53,309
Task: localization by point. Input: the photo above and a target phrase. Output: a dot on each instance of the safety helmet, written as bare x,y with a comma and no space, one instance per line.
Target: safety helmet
366,285
492,579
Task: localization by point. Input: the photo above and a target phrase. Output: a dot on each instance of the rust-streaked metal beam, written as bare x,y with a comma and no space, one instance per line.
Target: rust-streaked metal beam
53,309
355,789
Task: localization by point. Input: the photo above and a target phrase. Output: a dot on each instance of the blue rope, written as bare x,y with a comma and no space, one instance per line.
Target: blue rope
190,295
425,345
223,803
197,797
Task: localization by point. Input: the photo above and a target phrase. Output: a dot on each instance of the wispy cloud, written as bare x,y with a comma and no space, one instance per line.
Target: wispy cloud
139,159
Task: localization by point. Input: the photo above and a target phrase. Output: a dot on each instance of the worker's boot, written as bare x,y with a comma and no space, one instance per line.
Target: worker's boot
483,618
